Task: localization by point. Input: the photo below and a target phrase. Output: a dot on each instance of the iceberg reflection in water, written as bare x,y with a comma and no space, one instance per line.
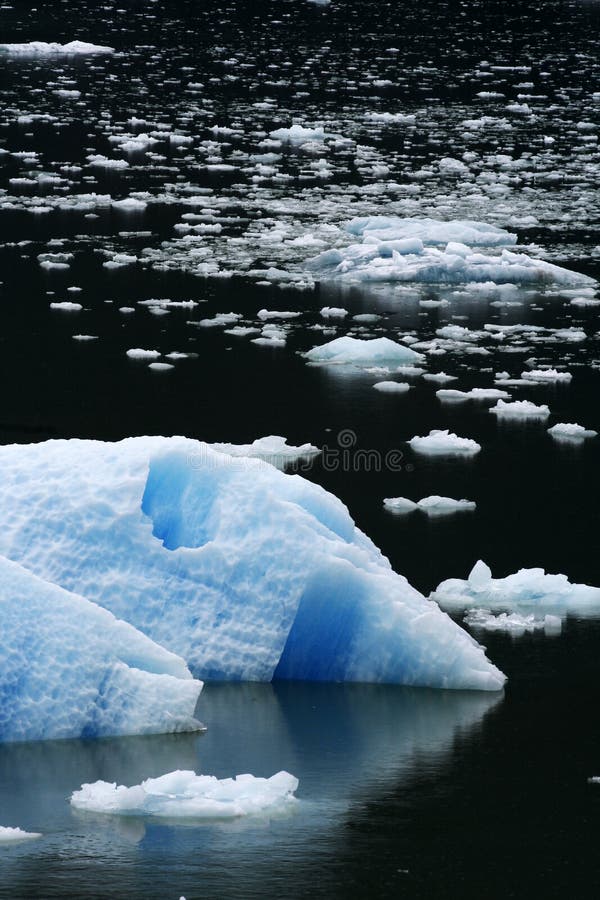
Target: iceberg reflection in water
348,744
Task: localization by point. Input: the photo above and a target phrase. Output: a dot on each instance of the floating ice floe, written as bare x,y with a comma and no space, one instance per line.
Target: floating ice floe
433,505
140,353
43,48
570,432
520,409
298,134
71,669
334,312
357,352
392,387
246,572
185,795
474,394
515,623
273,449
547,375
527,589
412,250
444,443
12,835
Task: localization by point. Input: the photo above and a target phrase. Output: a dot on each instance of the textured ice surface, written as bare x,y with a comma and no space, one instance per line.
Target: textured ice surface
423,250
11,835
392,387
185,795
444,443
42,48
71,669
355,351
525,589
244,571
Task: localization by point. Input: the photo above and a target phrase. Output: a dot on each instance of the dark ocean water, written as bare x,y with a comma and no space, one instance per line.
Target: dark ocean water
404,793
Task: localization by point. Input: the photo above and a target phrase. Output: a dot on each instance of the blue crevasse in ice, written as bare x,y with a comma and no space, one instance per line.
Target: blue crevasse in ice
244,571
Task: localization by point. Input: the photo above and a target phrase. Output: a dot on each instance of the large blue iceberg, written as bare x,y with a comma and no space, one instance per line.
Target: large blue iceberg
71,669
246,572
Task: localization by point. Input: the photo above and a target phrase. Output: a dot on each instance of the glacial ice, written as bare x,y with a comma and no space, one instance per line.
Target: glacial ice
354,351
43,48
392,387
526,589
185,795
246,572
514,623
273,449
424,250
71,669
12,835
443,443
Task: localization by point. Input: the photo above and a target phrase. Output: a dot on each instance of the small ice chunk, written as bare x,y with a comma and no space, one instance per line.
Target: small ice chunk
514,623
355,351
334,312
399,504
520,409
435,505
11,835
550,375
440,377
392,387
185,795
138,353
444,443
67,306
160,366
564,431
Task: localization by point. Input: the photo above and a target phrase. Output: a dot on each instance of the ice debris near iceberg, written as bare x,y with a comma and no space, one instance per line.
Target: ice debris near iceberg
273,449
424,250
12,835
526,589
433,506
357,352
43,48
185,795
569,432
514,623
71,669
246,572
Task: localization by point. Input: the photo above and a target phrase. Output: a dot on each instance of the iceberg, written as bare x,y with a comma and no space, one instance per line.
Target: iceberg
273,449
357,352
244,571
71,669
43,48
526,589
185,795
394,249
515,623
392,387
520,409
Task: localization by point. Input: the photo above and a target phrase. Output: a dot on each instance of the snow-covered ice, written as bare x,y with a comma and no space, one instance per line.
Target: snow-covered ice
185,795
443,443
526,589
244,571
355,351
273,449
514,623
71,669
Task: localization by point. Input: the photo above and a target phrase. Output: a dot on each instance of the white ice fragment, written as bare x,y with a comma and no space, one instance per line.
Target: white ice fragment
185,795
11,835
520,409
355,351
334,312
570,432
42,48
444,443
139,353
392,387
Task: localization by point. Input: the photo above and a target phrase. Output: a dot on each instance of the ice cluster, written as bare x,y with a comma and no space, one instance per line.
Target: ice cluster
244,571
425,250
527,589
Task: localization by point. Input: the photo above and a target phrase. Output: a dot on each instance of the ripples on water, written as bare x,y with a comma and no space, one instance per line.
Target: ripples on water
472,795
